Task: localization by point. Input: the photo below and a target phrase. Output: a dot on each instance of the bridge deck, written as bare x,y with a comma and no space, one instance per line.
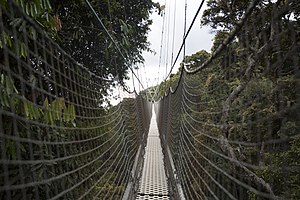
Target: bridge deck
153,183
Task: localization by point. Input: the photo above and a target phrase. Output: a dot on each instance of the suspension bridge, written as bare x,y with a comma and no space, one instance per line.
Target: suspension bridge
226,128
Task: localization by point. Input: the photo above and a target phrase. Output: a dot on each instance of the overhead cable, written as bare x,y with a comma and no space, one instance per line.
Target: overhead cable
183,42
224,44
112,39
174,26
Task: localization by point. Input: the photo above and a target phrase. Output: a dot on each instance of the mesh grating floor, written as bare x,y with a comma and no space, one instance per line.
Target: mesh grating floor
148,197
153,183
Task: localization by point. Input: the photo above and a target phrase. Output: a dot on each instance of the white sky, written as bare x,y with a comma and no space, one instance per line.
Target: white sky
153,71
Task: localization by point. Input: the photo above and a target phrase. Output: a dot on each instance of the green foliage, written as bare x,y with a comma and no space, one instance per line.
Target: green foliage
223,14
41,11
49,122
83,37
48,113
47,118
243,106
197,59
285,180
159,91
7,89
10,99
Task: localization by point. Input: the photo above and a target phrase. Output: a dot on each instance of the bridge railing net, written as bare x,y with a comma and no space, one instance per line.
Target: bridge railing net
56,139
232,124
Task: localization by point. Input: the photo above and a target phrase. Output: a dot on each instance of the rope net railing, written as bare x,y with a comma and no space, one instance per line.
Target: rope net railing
56,140
231,127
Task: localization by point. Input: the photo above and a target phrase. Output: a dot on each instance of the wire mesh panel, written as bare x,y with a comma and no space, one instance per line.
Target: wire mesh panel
56,140
232,125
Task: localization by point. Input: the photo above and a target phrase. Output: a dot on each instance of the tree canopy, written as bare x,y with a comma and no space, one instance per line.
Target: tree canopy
85,39
244,104
73,25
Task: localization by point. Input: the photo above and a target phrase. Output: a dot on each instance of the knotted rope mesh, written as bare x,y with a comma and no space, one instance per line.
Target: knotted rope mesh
56,139
232,124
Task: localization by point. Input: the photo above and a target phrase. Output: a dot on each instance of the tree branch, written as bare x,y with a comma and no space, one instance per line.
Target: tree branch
224,119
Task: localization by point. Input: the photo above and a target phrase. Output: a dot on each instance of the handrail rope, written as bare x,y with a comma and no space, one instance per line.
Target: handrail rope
193,177
90,189
52,95
119,175
24,119
86,178
77,85
187,85
254,167
220,126
236,142
183,46
125,179
270,141
20,186
267,195
105,173
243,124
39,142
202,102
184,181
39,29
63,74
245,105
186,100
201,178
200,85
178,82
231,36
185,37
203,169
185,106
99,180
190,185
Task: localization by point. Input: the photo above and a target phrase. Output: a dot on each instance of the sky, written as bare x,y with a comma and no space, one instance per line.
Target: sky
155,67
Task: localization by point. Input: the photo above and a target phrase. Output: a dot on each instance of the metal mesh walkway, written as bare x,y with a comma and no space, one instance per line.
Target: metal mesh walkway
153,183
